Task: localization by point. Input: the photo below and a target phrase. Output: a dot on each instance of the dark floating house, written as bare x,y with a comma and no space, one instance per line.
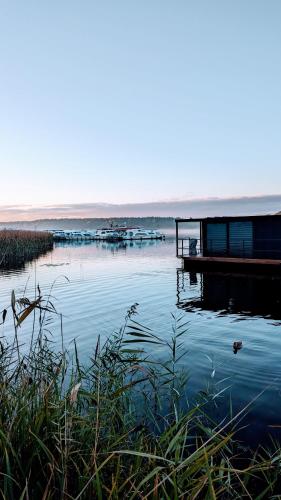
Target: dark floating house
230,243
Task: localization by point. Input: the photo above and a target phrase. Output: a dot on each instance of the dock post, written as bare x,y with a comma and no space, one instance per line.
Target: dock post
177,237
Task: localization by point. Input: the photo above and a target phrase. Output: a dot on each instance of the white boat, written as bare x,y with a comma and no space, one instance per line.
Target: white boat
128,233
142,234
59,234
88,235
114,233
108,234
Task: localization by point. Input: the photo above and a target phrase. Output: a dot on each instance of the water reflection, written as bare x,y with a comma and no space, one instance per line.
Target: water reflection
112,247
21,266
247,295
96,283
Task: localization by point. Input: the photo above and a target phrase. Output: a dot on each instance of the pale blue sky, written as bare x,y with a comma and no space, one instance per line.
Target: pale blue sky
126,101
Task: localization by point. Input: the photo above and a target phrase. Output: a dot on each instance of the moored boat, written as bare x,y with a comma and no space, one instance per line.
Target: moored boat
62,235
117,233
113,233
108,234
142,234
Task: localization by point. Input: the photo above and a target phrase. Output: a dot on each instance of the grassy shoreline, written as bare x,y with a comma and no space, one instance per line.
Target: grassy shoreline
18,247
115,428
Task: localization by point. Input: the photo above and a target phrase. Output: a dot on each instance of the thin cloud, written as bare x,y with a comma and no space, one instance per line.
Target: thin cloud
182,208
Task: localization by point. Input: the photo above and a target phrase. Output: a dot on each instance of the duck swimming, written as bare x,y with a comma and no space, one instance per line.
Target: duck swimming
237,345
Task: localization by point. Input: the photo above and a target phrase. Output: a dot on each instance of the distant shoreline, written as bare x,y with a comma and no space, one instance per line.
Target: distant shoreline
92,223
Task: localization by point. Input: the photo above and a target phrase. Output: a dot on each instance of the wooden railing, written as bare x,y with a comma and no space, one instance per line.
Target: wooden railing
236,247
186,247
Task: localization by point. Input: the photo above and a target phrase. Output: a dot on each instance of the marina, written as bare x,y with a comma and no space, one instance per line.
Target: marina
111,234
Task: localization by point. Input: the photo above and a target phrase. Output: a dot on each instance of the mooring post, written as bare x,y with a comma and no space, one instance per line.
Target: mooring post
177,237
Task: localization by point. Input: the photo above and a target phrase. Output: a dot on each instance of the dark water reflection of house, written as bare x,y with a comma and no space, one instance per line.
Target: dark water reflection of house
230,293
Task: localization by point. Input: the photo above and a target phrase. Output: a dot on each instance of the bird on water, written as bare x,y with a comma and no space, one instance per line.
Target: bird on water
237,345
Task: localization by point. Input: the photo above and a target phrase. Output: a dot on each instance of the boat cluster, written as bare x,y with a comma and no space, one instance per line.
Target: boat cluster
108,234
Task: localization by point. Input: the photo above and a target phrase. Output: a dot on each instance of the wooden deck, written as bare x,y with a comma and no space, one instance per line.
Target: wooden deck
232,264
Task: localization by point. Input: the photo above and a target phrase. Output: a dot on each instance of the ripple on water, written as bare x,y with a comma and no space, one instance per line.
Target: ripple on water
94,285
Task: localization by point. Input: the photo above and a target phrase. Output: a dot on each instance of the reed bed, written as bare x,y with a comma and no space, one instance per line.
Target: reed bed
118,426
18,247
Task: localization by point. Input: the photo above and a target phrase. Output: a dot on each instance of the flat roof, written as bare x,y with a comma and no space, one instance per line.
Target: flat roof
228,218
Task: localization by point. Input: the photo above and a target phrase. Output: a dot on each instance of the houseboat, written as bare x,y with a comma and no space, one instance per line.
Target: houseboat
230,243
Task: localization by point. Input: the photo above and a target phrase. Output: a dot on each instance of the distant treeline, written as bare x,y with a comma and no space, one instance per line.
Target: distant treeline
94,223
164,224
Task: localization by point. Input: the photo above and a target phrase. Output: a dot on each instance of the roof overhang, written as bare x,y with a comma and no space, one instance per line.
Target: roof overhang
229,218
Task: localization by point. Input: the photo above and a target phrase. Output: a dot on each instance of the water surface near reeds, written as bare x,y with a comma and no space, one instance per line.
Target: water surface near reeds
95,284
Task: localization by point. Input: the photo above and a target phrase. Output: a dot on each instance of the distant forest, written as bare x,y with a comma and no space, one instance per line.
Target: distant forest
94,223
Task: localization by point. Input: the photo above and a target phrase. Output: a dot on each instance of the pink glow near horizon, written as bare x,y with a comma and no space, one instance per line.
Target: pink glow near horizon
184,208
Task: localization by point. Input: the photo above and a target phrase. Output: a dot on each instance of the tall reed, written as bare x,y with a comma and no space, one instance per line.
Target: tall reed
18,247
115,427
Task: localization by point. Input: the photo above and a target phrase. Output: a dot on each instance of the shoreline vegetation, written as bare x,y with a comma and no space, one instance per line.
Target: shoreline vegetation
18,246
119,426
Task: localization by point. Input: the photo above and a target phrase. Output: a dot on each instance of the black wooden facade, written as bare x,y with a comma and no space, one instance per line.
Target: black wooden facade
252,237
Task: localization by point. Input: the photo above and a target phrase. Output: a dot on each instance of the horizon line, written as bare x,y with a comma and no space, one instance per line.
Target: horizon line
238,205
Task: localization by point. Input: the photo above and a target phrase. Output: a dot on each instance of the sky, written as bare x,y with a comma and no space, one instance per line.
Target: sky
253,205
134,102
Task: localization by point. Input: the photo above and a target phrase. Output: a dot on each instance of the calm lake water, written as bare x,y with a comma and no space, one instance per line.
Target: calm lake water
95,283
